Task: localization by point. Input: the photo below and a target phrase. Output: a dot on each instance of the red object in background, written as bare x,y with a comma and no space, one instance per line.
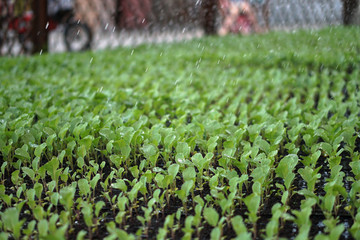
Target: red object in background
242,25
134,13
21,24
52,25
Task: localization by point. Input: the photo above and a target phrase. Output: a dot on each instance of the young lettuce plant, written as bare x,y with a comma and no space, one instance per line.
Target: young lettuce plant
87,211
30,229
252,203
333,188
228,154
189,176
122,203
278,213
355,228
198,214
52,169
151,154
116,233
84,187
148,212
201,163
168,226
11,222
182,153
285,171
169,141
240,229
188,230
67,200
303,217
312,159
262,172
333,230
49,229
132,195
310,176
212,218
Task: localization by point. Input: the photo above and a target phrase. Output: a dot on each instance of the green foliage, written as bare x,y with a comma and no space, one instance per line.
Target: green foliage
11,221
211,216
199,140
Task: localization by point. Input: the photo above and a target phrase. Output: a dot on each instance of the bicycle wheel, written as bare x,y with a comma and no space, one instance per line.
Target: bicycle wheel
77,36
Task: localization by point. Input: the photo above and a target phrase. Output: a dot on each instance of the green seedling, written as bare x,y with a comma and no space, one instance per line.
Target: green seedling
107,144
240,229
310,176
303,217
11,222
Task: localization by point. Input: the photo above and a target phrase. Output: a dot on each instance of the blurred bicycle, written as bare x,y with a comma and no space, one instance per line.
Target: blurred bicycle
77,35
16,28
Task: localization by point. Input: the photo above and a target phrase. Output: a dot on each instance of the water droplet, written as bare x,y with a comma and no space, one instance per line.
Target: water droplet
106,26
143,20
161,54
47,25
181,161
41,51
91,60
132,52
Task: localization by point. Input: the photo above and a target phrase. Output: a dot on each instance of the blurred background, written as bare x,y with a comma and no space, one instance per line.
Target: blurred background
37,26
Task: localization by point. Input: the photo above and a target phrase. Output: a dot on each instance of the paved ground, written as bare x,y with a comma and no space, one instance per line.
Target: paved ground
108,38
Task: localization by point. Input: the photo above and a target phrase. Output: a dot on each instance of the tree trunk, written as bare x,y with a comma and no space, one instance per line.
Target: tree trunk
349,10
210,9
39,33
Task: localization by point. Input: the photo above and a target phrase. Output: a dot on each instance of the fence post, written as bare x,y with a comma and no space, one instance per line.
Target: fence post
118,12
39,32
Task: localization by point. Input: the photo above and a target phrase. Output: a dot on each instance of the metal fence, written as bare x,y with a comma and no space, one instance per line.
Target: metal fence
121,22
